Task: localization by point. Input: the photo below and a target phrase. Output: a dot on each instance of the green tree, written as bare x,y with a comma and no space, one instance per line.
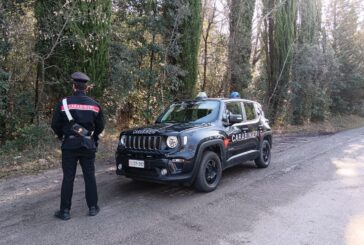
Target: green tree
279,41
307,63
72,35
11,16
348,89
146,45
91,27
241,18
4,48
190,31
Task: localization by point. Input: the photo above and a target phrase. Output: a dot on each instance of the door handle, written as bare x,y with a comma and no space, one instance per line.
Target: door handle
245,129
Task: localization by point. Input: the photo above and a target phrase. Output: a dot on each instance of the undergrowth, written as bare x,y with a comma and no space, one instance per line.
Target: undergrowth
34,148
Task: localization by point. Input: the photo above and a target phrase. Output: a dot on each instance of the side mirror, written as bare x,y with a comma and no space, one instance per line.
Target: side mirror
235,118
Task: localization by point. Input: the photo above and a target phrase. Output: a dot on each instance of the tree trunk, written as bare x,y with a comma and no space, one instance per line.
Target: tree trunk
241,17
210,22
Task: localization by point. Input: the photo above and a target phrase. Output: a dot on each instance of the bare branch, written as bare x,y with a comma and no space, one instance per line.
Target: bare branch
281,72
59,35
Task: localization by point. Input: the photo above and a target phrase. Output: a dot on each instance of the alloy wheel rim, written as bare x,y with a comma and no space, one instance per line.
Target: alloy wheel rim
211,172
266,153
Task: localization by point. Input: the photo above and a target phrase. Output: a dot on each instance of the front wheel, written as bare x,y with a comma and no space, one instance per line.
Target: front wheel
264,158
209,173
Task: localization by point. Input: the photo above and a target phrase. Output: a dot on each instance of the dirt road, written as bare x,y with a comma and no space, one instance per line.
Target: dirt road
313,193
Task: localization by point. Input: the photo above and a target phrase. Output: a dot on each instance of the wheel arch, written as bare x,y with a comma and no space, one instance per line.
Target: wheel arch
216,146
269,138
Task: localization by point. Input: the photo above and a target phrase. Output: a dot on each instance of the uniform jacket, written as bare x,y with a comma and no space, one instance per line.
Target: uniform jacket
86,112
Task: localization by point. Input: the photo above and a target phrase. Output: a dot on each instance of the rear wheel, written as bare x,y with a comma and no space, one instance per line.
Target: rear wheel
264,158
209,174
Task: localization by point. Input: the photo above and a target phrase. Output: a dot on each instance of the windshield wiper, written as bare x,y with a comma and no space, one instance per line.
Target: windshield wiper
172,121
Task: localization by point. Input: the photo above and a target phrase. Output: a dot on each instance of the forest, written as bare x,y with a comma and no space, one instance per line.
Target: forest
303,60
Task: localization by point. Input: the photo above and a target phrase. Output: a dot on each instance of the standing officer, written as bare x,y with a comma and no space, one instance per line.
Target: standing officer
78,121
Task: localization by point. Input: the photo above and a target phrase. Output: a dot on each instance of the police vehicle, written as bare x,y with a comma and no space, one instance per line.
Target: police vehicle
193,141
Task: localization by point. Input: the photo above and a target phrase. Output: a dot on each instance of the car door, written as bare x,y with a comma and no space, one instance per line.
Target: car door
236,133
251,126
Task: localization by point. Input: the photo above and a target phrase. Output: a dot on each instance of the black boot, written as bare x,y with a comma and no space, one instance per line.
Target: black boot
63,214
94,210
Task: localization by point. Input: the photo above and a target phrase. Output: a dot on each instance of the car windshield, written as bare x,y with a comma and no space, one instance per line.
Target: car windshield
191,112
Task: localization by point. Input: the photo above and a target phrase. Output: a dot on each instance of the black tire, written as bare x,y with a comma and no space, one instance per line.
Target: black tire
264,158
209,173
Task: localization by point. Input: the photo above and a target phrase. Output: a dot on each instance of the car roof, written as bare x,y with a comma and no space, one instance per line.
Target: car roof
218,99
234,99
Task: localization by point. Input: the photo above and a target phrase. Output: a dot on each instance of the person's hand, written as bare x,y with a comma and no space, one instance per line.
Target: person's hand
60,140
96,145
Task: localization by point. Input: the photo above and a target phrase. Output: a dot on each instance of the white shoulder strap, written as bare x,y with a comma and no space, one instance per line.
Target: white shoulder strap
65,106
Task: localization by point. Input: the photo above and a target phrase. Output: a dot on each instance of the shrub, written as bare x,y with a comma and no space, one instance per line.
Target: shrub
31,138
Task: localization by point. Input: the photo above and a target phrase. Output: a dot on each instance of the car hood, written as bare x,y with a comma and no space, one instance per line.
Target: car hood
165,128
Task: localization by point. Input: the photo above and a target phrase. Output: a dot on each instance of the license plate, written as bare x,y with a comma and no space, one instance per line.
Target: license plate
136,163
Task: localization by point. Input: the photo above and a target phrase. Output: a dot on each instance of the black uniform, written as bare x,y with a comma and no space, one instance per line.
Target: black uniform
87,113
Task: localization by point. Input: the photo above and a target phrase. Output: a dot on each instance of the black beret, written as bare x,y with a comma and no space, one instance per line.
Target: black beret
80,77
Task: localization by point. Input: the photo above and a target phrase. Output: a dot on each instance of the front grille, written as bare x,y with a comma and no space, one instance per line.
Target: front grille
143,142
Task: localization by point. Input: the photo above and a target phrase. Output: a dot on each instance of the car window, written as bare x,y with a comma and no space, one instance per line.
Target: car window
191,112
234,108
259,110
249,110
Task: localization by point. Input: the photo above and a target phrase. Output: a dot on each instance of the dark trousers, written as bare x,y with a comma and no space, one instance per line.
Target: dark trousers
86,158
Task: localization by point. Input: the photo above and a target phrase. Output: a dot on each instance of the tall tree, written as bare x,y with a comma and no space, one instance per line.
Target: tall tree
14,63
4,49
307,61
241,18
280,39
308,21
348,90
190,40
72,35
213,55
91,28
208,18
52,51
146,49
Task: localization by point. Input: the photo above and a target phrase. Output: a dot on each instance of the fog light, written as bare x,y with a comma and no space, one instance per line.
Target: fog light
164,171
120,166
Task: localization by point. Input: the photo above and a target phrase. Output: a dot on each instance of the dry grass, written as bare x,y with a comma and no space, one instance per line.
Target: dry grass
30,161
108,143
43,157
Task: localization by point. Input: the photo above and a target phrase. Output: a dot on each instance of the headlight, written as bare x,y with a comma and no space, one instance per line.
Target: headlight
123,140
172,141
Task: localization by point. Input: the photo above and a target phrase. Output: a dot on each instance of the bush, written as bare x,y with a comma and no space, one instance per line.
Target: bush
29,138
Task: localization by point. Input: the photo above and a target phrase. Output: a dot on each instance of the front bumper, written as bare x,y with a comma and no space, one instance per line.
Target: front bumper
156,168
